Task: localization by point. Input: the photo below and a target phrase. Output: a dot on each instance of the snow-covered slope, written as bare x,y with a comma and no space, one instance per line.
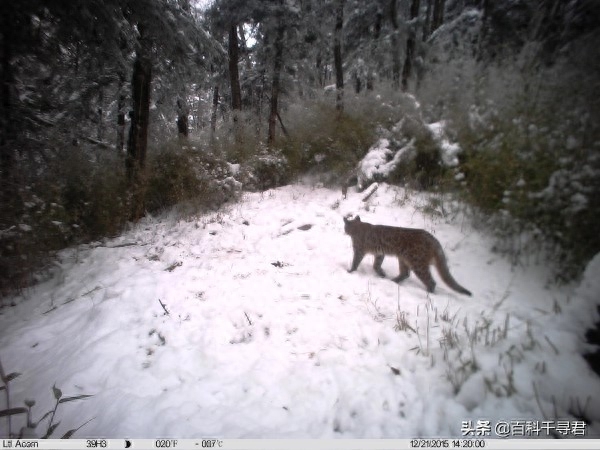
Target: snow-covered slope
267,335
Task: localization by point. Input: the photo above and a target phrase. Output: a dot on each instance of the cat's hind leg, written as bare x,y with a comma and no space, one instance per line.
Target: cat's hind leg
424,274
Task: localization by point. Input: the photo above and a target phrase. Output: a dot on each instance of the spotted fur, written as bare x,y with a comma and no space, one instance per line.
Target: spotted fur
415,249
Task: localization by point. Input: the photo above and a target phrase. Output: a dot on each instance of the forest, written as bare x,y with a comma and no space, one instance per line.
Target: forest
112,110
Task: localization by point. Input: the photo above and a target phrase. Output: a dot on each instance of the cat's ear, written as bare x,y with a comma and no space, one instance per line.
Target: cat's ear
357,219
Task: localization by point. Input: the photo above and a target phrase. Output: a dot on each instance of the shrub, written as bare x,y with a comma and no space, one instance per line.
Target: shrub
265,170
322,140
567,209
80,196
531,164
425,168
182,172
235,142
73,199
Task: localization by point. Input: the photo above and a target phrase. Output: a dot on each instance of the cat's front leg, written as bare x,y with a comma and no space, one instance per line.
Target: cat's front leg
358,257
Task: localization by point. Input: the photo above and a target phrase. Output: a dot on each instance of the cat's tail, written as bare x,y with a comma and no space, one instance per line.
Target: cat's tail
442,267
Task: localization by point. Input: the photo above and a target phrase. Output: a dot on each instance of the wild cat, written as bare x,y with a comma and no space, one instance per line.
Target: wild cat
416,250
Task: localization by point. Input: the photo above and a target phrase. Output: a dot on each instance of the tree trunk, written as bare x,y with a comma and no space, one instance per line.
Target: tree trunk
372,66
427,25
121,101
357,83
215,108
486,9
138,132
337,56
234,74
395,45
277,66
438,14
320,72
6,120
410,45
182,118
100,115
138,135
121,115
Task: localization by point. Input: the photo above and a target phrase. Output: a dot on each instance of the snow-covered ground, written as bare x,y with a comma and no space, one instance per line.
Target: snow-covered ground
267,335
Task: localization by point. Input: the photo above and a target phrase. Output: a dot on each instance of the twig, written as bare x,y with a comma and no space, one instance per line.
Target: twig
126,244
248,318
164,307
285,132
551,344
97,142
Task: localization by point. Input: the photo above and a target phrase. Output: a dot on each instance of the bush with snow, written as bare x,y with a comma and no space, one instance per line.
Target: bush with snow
412,152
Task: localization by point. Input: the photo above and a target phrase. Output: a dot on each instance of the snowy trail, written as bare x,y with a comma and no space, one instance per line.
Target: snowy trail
267,335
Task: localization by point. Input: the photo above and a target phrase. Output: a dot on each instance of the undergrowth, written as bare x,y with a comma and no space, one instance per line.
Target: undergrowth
323,140
530,166
78,196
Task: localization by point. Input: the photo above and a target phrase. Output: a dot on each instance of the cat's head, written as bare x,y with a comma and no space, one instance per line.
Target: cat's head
350,224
